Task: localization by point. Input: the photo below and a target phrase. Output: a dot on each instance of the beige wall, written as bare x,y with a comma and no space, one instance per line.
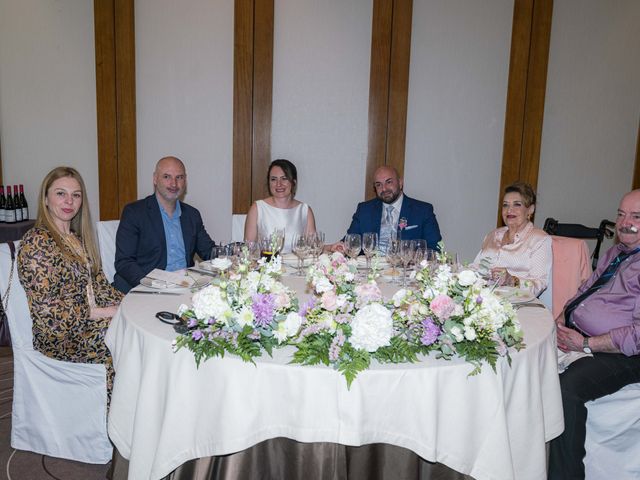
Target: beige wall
47,93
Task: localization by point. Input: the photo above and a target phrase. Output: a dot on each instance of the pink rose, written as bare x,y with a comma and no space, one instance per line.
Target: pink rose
442,306
329,301
367,293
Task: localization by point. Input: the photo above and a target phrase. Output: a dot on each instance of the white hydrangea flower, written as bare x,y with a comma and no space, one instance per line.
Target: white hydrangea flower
371,328
209,302
457,333
323,285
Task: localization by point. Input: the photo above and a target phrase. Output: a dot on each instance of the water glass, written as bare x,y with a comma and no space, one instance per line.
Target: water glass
407,252
393,257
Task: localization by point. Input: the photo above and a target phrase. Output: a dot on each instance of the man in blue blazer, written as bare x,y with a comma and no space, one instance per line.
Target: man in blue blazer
159,231
383,213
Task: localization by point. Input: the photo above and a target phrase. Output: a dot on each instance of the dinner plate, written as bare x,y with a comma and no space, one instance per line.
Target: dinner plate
514,295
161,285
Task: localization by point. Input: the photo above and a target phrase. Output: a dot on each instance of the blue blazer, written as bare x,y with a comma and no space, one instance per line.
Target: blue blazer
421,220
141,244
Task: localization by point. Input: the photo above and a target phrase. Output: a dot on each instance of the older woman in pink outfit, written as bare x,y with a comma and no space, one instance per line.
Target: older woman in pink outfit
518,254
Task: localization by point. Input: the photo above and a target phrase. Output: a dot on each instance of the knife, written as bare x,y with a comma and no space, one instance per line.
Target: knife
154,292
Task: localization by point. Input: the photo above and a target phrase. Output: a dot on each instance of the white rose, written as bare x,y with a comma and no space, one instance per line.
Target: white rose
292,323
371,328
467,278
181,309
323,285
457,334
221,263
399,296
469,333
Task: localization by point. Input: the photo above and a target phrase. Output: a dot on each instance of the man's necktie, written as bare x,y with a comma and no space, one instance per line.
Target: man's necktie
602,280
386,228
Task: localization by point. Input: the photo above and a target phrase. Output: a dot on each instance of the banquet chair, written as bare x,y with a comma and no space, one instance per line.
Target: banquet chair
575,230
59,408
107,243
613,429
237,227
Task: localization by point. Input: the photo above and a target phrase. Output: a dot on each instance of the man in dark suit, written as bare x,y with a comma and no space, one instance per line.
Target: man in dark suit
383,214
159,231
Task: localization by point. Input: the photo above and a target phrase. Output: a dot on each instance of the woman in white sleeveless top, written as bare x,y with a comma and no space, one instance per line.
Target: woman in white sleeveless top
280,210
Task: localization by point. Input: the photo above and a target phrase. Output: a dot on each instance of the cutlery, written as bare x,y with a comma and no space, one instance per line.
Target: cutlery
202,272
154,292
529,304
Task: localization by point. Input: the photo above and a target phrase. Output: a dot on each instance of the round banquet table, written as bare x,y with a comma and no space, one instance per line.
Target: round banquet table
165,411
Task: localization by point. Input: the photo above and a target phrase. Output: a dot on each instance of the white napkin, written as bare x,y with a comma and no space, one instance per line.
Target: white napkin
162,278
567,358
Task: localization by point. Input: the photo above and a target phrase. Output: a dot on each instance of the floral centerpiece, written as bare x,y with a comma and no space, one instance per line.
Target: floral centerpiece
241,314
470,319
346,324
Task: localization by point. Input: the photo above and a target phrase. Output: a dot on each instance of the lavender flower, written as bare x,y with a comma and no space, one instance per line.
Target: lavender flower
193,322
306,306
263,308
479,300
336,344
431,331
197,335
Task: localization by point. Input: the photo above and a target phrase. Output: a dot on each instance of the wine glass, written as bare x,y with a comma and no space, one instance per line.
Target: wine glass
301,247
393,257
369,245
316,240
407,252
353,244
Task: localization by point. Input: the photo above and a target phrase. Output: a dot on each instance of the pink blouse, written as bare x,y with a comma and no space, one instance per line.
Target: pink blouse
528,258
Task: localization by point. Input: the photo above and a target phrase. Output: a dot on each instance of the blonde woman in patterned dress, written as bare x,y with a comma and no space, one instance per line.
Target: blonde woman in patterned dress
518,254
70,300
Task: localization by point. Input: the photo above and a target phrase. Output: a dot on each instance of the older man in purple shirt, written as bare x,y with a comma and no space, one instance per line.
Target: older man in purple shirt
604,319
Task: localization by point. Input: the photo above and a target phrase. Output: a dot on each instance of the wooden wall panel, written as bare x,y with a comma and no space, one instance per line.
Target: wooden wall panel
530,36
636,170
126,103
388,86
252,100
262,96
242,105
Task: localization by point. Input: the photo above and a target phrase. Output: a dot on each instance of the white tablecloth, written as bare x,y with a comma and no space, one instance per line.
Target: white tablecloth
165,411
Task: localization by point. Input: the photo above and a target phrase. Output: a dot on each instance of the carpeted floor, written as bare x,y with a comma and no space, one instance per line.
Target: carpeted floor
21,465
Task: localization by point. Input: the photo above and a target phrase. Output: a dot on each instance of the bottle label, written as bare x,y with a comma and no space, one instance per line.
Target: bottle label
25,213
18,214
10,216
2,215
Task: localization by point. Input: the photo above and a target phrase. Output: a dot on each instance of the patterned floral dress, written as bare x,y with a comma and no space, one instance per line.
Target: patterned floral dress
58,291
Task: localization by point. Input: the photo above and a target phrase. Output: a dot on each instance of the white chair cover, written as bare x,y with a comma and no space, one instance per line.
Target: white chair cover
613,430
59,408
237,227
107,243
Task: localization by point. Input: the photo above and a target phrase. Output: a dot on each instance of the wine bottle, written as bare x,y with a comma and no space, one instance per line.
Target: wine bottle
23,202
16,203
10,208
3,204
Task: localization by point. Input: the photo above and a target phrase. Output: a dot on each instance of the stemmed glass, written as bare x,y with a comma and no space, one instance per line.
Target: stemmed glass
353,244
369,245
277,240
407,252
301,247
421,252
393,257
316,240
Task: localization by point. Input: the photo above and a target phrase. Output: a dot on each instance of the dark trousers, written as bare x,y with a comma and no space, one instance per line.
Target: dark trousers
586,379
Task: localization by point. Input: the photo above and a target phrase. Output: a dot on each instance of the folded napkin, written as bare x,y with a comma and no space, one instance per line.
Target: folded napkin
567,358
162,278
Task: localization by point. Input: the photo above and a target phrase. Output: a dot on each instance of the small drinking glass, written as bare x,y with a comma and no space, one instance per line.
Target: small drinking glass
316,241
369,245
